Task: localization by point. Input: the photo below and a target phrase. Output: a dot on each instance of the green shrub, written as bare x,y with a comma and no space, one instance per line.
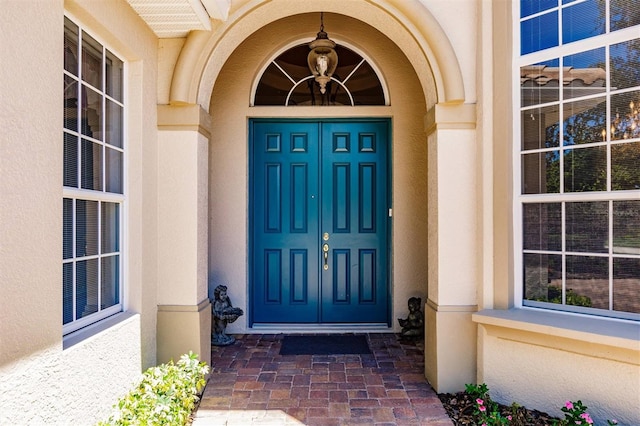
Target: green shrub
166,395
554,295
488,413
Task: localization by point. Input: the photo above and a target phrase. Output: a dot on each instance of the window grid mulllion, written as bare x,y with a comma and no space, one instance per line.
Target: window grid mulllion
608,142
559,53
611,249
76,322
559,9
101,196
610,255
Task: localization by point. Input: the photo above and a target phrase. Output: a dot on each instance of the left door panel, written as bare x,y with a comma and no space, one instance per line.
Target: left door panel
284,232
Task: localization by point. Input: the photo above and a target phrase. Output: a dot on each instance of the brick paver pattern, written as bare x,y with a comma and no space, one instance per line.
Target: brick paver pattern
252,384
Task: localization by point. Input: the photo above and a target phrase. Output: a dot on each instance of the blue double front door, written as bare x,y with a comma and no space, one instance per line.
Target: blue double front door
319,214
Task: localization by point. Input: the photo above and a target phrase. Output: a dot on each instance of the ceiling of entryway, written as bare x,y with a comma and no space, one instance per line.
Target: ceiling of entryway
175,18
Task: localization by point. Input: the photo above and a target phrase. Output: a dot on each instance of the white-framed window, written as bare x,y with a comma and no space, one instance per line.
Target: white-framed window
93,203
577,155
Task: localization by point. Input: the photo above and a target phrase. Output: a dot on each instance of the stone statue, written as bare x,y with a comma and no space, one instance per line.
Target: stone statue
223,314
413,326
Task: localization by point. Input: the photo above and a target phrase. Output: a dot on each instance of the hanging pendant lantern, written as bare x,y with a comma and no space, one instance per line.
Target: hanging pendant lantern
322,59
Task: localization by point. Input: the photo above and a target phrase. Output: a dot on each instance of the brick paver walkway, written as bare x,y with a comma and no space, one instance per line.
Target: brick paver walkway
251,384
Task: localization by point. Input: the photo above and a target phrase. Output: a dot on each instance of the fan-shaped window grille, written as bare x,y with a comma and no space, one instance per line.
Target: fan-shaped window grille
288,81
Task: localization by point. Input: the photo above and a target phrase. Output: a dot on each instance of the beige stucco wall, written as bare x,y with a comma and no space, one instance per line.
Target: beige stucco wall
31,181
45,380
182,217
77,385
542,359
544,378
184,311
459,22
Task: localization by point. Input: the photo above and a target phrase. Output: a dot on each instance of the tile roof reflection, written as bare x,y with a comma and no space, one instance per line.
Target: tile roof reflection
544,75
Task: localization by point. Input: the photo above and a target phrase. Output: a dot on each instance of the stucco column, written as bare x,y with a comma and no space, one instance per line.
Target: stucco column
450,335
184,312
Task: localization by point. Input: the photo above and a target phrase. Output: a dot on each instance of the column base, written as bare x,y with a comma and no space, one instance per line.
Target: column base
450,347
184,328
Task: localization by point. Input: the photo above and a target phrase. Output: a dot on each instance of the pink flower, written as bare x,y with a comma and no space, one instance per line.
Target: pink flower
479,401
509,418
587,418
568,405
482,408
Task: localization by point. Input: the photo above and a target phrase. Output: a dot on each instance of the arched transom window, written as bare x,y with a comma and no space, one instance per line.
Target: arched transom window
288,81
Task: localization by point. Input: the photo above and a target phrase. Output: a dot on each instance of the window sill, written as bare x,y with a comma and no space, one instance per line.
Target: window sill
595,337
95,329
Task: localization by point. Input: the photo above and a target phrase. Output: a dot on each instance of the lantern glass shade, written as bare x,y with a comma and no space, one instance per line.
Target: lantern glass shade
322,59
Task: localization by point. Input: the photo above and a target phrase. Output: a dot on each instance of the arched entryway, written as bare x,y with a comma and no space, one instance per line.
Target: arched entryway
231,212
214,74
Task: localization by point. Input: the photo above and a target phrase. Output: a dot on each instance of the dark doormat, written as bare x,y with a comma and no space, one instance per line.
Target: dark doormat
325,344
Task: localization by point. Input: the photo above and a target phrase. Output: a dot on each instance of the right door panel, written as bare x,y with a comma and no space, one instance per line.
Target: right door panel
354,203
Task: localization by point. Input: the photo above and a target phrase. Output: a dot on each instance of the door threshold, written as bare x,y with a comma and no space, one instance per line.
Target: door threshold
278,328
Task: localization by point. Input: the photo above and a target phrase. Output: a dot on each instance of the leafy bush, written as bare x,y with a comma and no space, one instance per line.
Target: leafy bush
488,413
166,395
554,295
575,413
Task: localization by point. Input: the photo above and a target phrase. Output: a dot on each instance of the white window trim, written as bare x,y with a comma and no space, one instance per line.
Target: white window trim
104,317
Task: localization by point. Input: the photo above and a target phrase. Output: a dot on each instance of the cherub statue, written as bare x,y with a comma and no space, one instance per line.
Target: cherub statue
413,326
223,314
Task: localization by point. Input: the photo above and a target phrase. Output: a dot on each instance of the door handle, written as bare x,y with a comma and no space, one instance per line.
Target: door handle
325,255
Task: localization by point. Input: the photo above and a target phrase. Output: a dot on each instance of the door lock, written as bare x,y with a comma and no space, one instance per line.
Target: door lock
325,255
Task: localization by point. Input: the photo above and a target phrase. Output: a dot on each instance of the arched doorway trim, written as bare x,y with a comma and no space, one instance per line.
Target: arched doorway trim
204,53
